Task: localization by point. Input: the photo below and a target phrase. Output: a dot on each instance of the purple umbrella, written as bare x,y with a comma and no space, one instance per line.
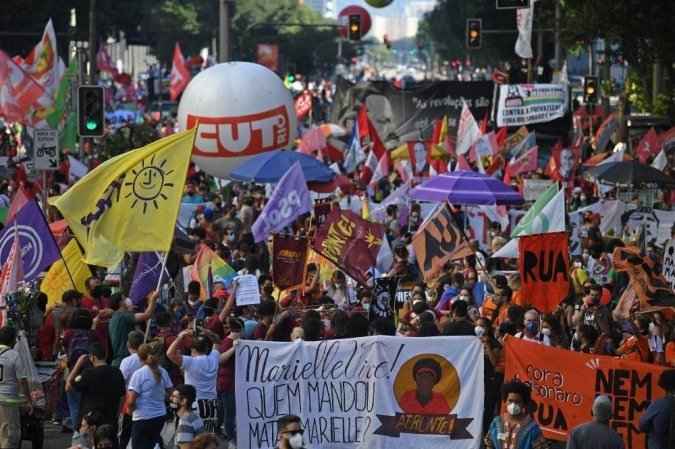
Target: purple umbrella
466,187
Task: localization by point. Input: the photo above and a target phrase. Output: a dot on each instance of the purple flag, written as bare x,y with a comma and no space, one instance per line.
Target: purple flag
38,248
289,200
146,277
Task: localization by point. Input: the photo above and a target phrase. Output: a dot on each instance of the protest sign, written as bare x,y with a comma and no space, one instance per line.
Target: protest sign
533,188
565,383
350,242
288,263
362,393
437,241
523,104
669,263
247,291
543,263
46,148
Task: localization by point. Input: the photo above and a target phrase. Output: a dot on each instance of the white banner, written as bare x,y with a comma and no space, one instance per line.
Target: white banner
523,104
366,393
532,188
524,18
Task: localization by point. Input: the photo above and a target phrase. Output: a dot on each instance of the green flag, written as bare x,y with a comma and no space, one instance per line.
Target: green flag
63,99
535,210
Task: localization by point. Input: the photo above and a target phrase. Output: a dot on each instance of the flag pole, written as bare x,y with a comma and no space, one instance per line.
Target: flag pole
159,284
65,264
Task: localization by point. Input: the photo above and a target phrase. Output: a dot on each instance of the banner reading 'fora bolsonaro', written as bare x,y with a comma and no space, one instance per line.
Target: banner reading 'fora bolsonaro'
363,393
524,104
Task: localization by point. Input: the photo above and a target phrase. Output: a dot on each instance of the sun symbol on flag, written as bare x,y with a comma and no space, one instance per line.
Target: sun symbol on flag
148,184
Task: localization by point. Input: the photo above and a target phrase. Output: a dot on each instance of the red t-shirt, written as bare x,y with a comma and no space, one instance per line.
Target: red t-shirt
437,406
260,331
226,371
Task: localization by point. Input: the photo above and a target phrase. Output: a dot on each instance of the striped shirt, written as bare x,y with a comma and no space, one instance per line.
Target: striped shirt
189,427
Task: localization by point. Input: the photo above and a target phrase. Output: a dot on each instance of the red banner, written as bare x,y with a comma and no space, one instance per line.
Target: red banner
350,242
544,264
565,383
288,263
303,104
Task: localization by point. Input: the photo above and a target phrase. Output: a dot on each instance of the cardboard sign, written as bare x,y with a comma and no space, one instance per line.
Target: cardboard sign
46,149
565,383
544,264
535,187
247,290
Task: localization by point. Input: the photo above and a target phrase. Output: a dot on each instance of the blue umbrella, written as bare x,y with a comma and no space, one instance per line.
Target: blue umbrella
466,187
271,166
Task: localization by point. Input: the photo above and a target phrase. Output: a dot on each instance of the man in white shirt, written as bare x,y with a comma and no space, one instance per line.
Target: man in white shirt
201,371
129,365
13,379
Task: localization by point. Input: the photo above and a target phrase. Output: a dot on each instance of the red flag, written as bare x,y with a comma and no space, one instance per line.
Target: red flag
180,75
526,163
303,104
462,164
363,122
484,123
543,262
312,141
18,90
21,197
604,133
377,163
11,275
667,137
501,137
648,146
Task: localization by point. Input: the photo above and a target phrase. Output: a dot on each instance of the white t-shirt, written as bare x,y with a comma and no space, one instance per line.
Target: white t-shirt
130,364
11,370
151,394
202,373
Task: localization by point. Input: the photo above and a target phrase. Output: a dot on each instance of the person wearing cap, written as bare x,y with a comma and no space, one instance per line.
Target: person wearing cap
597,433
657,420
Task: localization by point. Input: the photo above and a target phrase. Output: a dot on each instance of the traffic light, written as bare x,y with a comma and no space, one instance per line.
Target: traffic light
474,33
90,111
591,90
354,27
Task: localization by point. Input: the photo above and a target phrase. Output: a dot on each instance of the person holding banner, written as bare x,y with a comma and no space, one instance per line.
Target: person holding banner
515,429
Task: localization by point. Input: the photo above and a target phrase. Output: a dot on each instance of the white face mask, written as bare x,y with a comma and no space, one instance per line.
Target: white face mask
546,331
173,405
513,409
479,331
295,441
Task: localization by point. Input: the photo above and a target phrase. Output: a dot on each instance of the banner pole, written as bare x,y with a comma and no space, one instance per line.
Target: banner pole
44,217
159,283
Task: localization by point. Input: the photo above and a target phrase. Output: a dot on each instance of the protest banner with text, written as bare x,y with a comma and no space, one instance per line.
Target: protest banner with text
350,242
544,264
565,383
523,104
366,393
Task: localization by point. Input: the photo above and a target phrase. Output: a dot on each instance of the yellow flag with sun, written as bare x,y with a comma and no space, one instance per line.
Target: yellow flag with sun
130,202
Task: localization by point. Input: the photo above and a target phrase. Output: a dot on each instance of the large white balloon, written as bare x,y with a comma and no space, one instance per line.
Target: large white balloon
242,109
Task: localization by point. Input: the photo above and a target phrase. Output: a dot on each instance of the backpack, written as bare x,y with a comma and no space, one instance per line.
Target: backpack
78,345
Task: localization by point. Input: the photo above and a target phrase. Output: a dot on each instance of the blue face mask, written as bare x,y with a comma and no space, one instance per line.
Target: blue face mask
532,327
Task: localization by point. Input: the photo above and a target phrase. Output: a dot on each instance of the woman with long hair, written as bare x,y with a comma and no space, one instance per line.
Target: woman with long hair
146,396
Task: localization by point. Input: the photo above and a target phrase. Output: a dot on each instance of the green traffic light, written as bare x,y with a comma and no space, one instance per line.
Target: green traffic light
91,125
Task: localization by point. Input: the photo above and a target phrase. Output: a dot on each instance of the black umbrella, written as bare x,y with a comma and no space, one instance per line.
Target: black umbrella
630,173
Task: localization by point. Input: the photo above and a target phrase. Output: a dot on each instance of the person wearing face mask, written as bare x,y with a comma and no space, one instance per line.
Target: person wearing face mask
515,429
657,343
187,424
551,331
339,291
531,330
123,321
591,311
289,433
189,309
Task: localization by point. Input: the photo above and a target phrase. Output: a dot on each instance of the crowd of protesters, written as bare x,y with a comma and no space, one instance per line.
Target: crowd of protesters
169,365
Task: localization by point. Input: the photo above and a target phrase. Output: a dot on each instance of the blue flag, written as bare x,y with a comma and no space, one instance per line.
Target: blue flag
354,154
146,277
289,200
38,248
